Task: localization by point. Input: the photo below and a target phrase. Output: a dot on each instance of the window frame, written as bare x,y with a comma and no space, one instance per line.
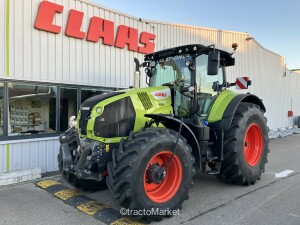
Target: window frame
58,86
59,90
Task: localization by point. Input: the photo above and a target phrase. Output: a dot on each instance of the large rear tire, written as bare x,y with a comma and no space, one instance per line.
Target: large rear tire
246,146
85,185
128,180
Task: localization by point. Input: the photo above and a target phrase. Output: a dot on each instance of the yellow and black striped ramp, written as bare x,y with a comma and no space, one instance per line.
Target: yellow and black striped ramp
98,210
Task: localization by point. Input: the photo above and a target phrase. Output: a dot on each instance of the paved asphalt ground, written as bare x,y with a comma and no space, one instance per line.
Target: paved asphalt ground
270,201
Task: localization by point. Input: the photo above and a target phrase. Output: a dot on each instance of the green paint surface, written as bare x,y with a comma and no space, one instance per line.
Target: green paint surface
7,157
220,105
7,36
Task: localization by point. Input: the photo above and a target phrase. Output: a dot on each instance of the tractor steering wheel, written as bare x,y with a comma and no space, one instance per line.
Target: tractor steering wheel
172,83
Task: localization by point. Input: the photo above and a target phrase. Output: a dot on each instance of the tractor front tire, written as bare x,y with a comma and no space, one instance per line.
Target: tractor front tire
138,156
85,185
246,146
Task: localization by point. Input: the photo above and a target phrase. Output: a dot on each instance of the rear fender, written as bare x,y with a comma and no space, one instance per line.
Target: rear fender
227,117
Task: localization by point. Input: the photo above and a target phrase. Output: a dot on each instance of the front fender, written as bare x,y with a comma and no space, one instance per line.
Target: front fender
173,123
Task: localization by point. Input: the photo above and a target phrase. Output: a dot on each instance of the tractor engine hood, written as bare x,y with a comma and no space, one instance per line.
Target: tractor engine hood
117,113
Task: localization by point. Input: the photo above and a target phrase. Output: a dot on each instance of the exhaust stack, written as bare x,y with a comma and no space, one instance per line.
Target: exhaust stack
137,74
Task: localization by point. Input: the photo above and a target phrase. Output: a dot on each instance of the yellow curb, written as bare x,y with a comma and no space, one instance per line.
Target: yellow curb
67,193
47,183
91,207
126,221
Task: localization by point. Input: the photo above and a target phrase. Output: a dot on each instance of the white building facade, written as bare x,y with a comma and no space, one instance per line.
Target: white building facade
53,57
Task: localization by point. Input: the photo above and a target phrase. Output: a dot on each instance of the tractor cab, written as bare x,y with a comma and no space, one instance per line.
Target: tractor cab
194,73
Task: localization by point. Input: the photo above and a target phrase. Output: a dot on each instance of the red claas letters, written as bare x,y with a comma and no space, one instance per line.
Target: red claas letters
98,29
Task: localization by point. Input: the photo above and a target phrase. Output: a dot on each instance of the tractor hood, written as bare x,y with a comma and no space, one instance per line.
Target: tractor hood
89,104
111,116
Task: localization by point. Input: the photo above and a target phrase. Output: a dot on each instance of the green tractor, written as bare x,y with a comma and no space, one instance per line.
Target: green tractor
146,144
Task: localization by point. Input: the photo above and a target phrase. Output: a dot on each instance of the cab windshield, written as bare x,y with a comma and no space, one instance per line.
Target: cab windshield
170,71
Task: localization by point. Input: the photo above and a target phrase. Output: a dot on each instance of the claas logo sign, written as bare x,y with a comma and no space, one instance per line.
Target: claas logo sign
160,94
99,28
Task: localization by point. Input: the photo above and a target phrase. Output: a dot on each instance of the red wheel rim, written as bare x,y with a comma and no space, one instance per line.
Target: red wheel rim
253,144
167,188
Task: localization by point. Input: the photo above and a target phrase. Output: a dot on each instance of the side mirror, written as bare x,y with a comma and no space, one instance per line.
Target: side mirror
213,63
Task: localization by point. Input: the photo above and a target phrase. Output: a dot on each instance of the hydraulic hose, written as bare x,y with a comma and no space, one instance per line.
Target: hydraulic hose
176,143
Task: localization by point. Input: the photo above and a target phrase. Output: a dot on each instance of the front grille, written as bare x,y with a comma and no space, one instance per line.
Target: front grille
117,119
87,107
143,96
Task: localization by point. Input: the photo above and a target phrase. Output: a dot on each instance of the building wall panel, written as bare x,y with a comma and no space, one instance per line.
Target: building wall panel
34,158
2,38
30,154
3,158
25,155
42,156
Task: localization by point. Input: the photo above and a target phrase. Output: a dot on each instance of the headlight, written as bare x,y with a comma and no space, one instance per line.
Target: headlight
99,110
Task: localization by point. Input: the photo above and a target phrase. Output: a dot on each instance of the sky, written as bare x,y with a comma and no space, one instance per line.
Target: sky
275,24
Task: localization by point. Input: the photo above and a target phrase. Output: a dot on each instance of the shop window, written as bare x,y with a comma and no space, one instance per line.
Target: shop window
68,106
32,109
87,93
1,108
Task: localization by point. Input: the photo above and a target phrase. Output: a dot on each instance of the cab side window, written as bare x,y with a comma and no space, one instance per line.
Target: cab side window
205,94
204,81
